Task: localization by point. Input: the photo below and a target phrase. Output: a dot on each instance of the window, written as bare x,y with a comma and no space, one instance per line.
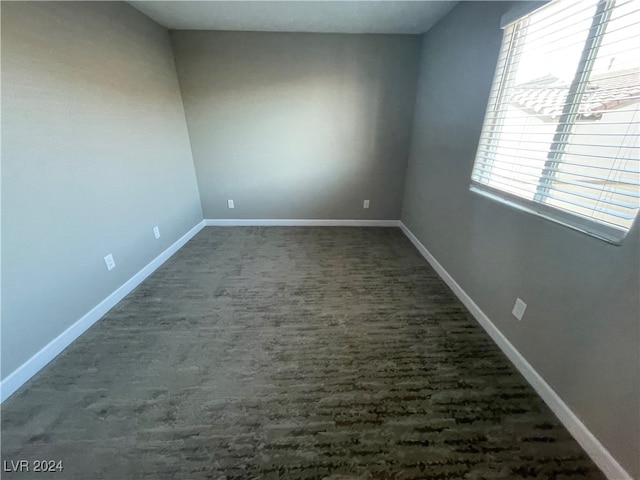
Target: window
561,133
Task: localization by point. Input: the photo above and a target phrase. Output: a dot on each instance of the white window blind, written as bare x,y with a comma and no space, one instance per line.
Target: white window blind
561,132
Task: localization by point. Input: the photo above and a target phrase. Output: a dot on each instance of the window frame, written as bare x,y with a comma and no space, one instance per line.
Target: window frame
588,226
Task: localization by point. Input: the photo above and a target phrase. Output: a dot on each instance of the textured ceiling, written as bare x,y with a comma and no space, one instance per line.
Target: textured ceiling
298,16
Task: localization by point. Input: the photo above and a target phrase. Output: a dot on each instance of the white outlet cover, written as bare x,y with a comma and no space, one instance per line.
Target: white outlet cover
156,232
518,309
366,204
110,262
230,204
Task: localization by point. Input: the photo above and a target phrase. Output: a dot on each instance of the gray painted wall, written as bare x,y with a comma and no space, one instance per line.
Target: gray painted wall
581,329
95,153
293,125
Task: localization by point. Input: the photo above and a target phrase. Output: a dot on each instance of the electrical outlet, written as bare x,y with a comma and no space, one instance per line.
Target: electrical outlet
518,309
111,263
230,204
366,204
156,232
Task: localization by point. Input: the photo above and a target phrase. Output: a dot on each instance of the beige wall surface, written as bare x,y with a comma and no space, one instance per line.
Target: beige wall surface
95,153
581,329
293,125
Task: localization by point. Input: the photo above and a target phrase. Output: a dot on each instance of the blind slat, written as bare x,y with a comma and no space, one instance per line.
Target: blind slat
586,176
575,144
577,183
570,154
525,193
585,134
570,123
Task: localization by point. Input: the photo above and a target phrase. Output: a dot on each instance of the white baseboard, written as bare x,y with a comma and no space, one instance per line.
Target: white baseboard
598,453
24,372
299,223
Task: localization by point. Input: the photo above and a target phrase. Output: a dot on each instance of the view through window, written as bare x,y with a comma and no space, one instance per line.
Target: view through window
561,133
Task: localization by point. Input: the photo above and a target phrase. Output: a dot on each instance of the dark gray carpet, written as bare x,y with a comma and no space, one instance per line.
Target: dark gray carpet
289,353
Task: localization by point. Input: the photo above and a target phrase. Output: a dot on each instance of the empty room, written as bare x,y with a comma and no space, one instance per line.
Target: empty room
320,240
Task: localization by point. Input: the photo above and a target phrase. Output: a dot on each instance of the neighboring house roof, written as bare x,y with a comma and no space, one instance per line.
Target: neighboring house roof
545,97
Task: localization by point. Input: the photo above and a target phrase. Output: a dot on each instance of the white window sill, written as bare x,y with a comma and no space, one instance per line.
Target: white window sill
586,226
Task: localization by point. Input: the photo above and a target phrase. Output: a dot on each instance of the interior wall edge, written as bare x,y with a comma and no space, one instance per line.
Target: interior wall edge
587,440
37,362
186,122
